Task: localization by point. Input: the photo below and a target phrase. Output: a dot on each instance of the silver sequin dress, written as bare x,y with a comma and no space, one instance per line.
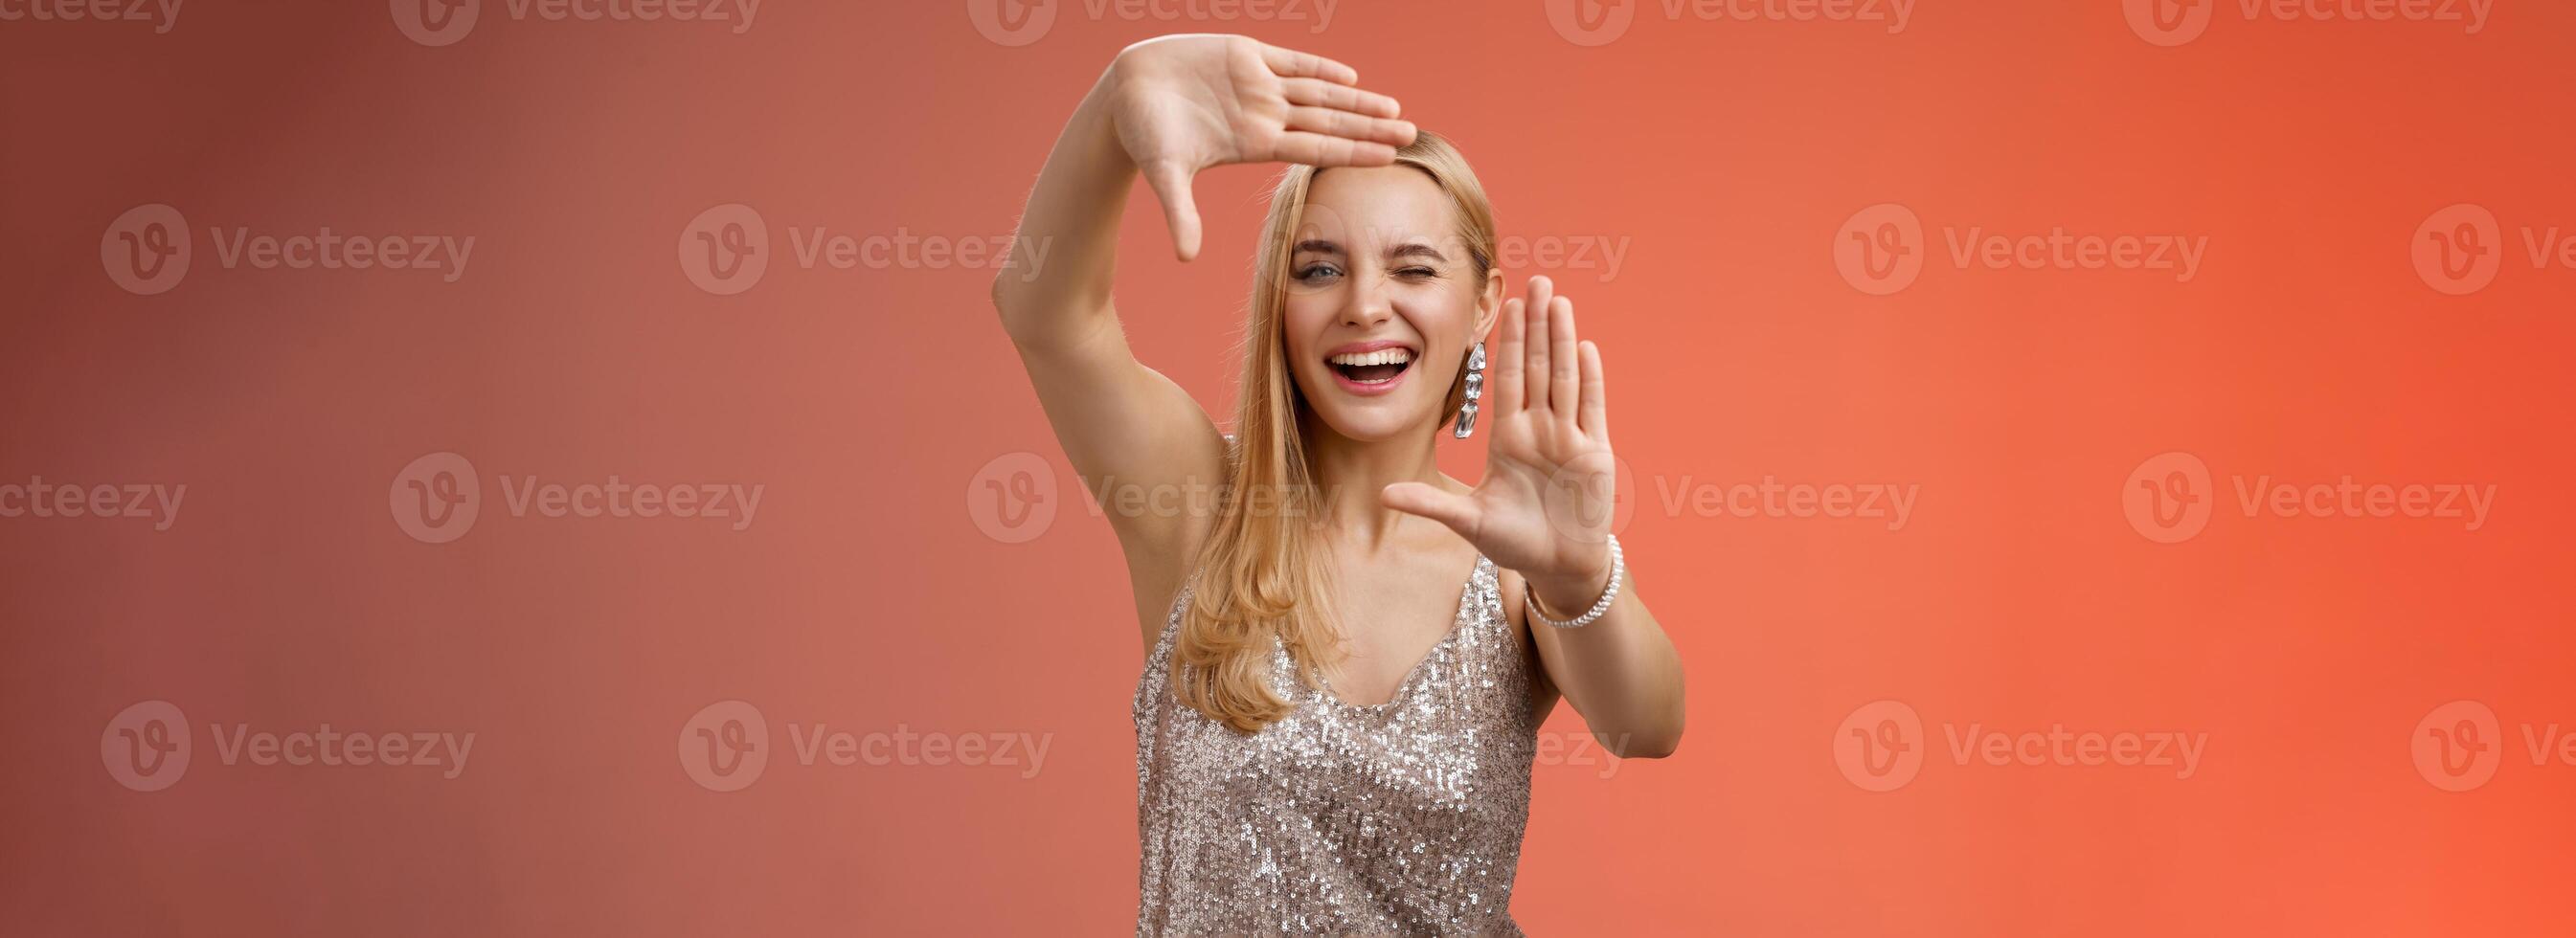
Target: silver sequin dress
1401,818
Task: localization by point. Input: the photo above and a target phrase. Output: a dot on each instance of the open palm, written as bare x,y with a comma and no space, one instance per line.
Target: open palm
1185,103
1544,505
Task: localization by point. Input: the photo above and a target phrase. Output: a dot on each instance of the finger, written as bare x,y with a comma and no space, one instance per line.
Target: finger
1321,93
1290,63
1315,149
1535,388
1595,418
1394,133
1171,183
1456,511
1565,367
1504,386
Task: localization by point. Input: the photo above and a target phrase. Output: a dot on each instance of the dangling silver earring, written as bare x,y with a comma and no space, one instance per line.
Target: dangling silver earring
1475,389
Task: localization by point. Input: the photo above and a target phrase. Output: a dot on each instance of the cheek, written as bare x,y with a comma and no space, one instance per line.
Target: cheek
1446,316
1304,319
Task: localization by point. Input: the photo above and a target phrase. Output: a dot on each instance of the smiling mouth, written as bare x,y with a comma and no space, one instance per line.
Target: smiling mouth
1375,367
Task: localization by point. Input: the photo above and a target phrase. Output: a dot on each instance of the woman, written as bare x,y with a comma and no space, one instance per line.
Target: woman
1333,735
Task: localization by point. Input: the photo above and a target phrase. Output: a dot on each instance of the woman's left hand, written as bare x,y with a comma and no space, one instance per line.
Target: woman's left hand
1545,503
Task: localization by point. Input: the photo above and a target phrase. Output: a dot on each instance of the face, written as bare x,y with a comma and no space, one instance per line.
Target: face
1384,300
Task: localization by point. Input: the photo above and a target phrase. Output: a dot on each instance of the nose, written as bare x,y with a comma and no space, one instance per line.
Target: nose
1368,305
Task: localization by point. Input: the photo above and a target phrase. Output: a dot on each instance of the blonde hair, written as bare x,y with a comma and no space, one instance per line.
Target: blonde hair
1261,574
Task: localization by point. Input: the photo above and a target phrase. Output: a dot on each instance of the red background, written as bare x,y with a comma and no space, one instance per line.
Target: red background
866,597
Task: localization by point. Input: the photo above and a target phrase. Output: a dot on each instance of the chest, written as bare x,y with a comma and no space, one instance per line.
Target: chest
1392,616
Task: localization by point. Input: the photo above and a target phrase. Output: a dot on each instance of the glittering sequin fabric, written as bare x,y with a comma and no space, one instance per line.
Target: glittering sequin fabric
1402,818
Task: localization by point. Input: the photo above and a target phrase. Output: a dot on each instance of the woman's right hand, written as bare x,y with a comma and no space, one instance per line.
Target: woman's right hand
1184,103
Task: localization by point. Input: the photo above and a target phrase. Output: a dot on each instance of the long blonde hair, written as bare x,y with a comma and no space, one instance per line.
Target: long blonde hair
1261,573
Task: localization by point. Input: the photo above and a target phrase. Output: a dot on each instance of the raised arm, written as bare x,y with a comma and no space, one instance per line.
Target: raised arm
1166,108
1544,510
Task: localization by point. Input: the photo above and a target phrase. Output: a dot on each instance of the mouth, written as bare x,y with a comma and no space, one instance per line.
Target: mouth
1371,367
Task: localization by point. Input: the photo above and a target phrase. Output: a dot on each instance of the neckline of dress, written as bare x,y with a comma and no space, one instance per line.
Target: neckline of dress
1457,627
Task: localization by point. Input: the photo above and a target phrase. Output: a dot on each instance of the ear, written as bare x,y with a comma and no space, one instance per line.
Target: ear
1489,304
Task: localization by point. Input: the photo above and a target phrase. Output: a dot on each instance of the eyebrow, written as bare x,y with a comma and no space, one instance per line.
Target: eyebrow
1408,249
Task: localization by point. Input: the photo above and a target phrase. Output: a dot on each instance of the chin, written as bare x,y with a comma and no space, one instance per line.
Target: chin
1370,427
1369,419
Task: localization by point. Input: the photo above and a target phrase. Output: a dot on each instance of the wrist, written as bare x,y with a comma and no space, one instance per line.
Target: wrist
1097,119
1566,593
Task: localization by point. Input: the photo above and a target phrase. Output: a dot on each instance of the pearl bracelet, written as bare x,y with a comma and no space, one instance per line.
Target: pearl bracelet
1618,573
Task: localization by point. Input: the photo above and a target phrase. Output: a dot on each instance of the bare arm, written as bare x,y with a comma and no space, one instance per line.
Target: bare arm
1620,672
1166,108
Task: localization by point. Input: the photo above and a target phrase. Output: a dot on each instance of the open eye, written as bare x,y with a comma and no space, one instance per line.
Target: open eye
1317,272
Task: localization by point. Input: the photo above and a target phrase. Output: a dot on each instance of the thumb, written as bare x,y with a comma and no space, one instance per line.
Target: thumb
1171,182
1416,498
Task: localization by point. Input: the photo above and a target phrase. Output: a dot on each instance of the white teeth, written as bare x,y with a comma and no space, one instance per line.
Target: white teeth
1384,356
